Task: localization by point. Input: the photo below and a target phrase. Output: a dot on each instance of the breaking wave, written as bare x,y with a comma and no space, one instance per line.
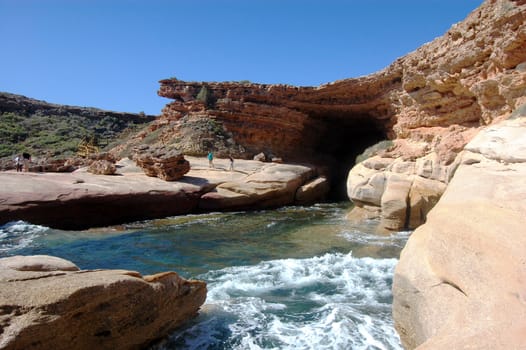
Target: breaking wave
17,235
334,301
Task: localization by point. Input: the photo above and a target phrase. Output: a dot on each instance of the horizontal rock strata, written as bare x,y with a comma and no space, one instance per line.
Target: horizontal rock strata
452,87
429,103
48,303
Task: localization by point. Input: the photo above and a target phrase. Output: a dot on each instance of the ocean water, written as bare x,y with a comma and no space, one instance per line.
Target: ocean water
292,278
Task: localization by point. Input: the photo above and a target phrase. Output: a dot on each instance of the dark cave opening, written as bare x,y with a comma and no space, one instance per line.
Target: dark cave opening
341,140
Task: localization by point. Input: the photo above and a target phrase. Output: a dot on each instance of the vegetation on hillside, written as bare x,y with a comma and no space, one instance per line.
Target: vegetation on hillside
56,135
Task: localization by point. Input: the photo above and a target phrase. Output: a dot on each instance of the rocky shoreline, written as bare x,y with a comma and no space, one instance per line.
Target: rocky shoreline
461,279
454,112
48,303
81,200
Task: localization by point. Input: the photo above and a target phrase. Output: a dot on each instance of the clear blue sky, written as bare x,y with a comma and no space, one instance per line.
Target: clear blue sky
111,54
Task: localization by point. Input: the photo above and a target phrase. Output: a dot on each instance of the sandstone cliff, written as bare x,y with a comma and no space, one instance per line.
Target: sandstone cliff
452,87
430,103
461,279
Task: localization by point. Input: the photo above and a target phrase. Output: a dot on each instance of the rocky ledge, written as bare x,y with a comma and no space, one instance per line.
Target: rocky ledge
428,104
48,303
80,200
461,279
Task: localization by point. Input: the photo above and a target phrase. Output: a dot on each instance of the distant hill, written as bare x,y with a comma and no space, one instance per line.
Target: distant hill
51,130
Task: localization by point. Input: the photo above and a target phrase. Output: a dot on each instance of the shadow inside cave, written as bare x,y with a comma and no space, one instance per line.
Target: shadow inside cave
339,140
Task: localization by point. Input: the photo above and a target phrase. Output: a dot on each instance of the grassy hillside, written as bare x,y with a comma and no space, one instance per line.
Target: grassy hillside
50,130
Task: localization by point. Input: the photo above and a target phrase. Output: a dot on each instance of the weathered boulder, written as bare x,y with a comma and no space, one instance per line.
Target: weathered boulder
422,197
37,263
162,162
394,201
46,304
461,279
102,167
273,185
403,190
313,191
261,157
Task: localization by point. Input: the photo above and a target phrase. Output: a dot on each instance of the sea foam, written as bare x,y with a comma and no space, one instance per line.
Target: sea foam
334,301
17,235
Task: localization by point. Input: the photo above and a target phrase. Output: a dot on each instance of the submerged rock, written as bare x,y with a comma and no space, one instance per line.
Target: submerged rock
47,303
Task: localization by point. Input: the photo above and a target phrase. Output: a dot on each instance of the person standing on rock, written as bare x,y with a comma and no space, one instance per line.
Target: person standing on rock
210,159
27,159
231,168
18,163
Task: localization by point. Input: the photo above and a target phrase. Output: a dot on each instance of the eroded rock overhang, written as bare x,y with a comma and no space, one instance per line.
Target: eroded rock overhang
327,125
431,101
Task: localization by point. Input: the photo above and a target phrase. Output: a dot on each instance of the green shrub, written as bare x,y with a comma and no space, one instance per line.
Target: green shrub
206,96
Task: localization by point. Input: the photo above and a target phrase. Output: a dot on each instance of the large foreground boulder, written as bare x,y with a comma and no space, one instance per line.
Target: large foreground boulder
461,279
48,303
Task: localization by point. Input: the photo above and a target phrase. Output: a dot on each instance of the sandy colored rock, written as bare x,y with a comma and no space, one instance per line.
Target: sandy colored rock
403,190
313,191
423,196
274,185
102,167
164,162
103,309
394,201
366,183
37,263
461,281
81,200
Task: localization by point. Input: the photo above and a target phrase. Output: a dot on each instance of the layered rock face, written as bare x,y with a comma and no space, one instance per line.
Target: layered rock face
461,280
48,303
451,88
430,103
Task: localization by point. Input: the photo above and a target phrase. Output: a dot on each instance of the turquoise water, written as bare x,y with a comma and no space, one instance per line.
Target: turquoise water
292,278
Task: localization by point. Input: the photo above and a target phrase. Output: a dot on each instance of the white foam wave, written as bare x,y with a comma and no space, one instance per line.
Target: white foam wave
334,301
18,235
394,239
